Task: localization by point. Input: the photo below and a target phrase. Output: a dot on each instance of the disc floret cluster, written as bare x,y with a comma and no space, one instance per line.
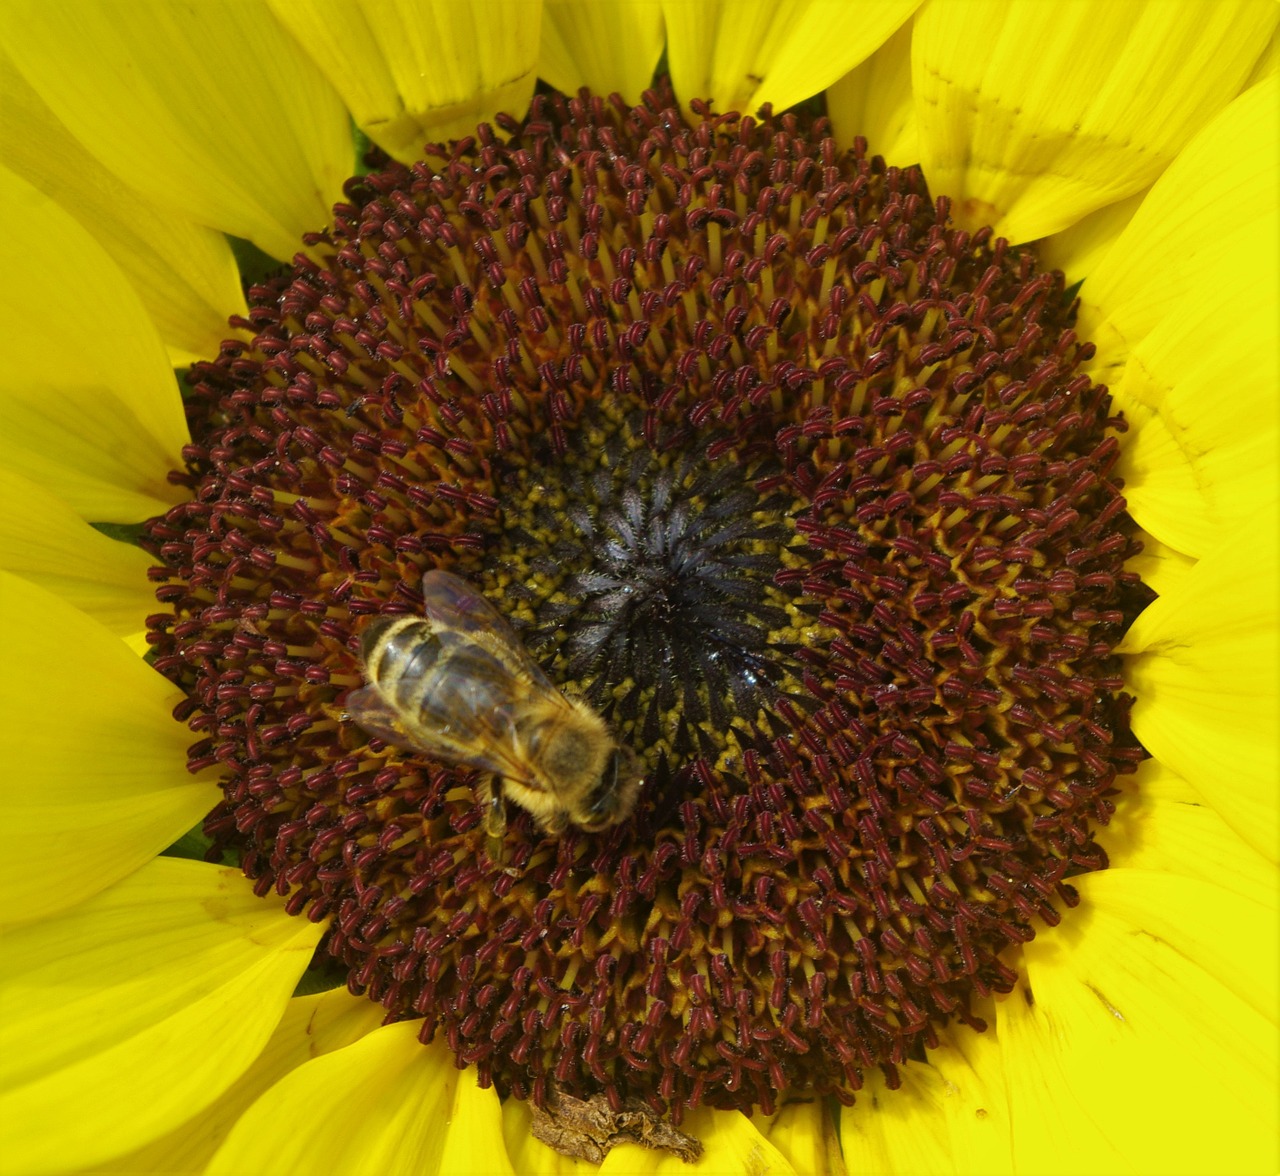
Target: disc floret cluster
800,485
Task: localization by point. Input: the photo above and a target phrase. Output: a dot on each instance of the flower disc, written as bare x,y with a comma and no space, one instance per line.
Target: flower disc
795,483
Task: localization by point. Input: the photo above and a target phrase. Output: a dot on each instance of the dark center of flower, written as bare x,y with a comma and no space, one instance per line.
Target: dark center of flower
643,574
799,486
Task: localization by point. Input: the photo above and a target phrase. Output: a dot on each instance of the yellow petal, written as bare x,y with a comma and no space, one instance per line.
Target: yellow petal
1204,665
732,1146
1161,824
875,100
95,780
1034,114
134,1011
1197,462
949,1115
473,1139
91,409
1202,227
1224,936
43,540
419,71
311,1026
743,53
184,274
1052,1132
1158,993
805,1133
1268,64
1159,565
1078,249
211,110
607,47
381,1105
530,1156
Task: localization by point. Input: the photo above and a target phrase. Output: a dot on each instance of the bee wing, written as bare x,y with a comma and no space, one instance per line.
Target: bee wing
367,709
478,677
469,715
450,604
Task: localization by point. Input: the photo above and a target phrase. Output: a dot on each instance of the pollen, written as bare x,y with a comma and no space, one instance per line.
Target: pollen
801,487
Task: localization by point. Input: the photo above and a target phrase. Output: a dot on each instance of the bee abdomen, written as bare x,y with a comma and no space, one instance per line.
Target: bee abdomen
399,653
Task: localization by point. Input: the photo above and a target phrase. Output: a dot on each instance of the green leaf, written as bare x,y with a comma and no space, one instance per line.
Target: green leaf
130,533
323,975
255,266
193,844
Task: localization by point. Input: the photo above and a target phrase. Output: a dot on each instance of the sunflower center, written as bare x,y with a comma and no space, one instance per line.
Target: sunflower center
797,485
643,576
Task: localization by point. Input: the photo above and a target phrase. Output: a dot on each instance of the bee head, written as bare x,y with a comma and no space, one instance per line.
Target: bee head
610,802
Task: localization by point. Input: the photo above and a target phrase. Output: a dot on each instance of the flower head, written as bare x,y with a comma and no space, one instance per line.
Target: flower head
800,487
808,483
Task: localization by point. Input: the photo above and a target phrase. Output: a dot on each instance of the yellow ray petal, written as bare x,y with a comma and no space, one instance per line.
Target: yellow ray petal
806,1134
607,47
85,444
1052,1132
1158,988
95,780
875,100
1268,64
1202,227
137,1009
1226,936
311,1026
43,540
1159,565
91,410
530,1156
743,53
1033,114
1162,824
473,1142
211,110
1204,665
184,274
1078,249
381,1106
419,71
732,1146
1198,462
949,1115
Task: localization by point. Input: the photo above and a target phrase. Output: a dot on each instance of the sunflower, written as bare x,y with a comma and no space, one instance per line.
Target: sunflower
920,541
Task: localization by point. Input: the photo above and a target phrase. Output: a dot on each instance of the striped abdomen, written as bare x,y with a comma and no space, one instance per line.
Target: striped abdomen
400,655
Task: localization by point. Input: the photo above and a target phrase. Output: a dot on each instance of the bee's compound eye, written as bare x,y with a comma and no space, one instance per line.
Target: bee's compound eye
603,800
610,780
372,634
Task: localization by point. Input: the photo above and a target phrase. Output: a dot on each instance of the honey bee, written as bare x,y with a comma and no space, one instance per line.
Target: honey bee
458,686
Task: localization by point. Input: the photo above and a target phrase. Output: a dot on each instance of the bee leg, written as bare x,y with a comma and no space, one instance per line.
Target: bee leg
494,805
555,824
495,809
